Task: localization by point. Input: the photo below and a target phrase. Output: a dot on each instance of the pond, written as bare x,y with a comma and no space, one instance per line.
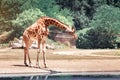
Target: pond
63,77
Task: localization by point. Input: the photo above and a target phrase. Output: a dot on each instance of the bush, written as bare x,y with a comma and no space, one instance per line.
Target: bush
81,42
99,37
25,19
107,16
105,25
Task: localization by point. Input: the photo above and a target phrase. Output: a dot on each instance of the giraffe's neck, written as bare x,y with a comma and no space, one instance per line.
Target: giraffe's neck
51,21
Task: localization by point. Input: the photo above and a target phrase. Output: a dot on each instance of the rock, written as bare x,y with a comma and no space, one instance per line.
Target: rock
18,44
52,47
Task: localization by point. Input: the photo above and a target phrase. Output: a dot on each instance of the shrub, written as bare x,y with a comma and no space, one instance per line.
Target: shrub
99,37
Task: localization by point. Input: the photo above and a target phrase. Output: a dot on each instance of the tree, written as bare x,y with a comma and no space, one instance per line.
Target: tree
53,10
101,37
82,10
24,20
105,25
115,3
81,42
107,16
9,9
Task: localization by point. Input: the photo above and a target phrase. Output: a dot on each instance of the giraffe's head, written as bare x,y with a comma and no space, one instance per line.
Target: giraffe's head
72,31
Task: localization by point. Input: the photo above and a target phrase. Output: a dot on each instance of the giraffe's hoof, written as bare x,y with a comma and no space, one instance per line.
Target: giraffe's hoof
26,64
31,65
46,66
37,66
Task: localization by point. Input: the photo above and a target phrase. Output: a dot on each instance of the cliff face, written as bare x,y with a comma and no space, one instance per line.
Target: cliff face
64,38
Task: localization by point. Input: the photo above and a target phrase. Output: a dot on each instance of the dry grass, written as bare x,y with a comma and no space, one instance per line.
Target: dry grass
17,54
111,53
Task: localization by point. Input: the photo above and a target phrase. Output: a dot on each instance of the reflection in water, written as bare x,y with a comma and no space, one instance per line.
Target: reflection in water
65,77
44,77
39,77
54,75
76,77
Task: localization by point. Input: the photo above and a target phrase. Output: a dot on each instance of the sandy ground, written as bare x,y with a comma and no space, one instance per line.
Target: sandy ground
62,66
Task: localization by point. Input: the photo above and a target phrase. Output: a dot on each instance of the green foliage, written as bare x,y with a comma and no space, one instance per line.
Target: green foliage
10,8
83,31
81,21
4,25
82,10
51,9
54,11
25,19
98,37
64,16
115,3
81,42
101,37
107,16
104,26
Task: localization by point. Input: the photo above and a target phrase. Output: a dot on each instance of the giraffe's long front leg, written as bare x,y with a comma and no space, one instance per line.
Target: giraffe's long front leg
37,62
44,59
29,59
29,44
38,52
43,51
25,53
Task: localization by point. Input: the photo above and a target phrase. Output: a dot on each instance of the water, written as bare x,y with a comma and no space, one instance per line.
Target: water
64,77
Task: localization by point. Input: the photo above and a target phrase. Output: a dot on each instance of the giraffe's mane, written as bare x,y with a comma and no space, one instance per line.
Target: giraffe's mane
54,19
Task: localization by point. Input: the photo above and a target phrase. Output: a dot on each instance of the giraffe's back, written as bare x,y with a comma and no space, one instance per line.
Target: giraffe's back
34,31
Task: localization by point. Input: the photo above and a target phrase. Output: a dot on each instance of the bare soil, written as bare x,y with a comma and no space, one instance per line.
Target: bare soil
69,60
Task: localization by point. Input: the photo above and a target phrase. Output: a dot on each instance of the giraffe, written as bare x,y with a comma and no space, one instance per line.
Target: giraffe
39,32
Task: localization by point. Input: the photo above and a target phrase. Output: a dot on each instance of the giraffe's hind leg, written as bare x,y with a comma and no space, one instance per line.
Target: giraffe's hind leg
37,62
26,50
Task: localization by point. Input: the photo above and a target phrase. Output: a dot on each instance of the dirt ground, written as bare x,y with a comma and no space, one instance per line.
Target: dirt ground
11,61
